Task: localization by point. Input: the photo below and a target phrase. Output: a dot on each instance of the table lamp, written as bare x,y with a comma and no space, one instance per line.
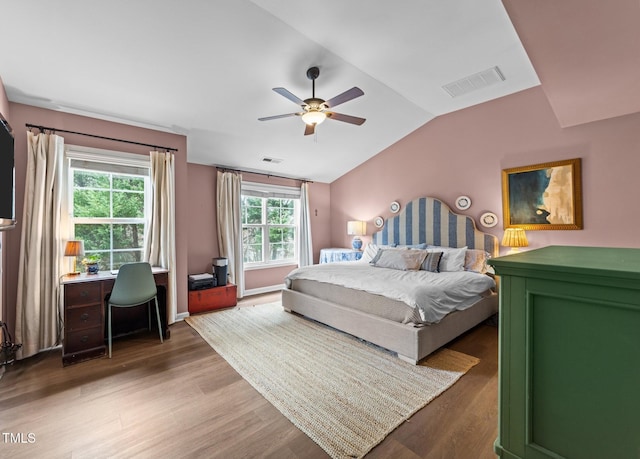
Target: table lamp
74,249
514,238
356,229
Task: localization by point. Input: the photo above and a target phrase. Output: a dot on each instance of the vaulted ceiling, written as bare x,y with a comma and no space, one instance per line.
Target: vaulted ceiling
206,68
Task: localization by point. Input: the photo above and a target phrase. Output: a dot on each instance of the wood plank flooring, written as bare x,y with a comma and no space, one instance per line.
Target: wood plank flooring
182,400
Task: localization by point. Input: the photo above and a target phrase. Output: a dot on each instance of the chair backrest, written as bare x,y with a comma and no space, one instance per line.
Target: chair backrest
134,285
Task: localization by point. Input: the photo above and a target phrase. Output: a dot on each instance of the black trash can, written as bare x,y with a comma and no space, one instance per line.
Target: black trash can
220,269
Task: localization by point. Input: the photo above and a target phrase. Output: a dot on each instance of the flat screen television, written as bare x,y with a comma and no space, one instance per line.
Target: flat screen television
7,177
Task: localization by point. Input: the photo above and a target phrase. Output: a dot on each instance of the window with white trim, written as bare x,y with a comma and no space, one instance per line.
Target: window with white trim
270,216
108,204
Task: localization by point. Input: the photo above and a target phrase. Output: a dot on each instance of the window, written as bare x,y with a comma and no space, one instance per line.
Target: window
107,205
269,225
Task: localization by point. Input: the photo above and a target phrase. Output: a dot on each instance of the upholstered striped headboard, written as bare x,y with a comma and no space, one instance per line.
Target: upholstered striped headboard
431,221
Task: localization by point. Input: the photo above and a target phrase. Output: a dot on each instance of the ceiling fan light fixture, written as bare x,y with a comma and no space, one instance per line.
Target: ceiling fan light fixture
316,110
313,117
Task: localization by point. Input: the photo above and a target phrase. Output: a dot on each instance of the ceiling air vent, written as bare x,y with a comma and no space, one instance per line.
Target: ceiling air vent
474,82
266,159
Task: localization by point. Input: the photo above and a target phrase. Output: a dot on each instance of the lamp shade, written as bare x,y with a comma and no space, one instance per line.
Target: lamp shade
356,228
313,117
74,249
514,237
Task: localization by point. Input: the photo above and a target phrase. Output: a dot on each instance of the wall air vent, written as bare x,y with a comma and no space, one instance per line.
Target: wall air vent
267,159
474,82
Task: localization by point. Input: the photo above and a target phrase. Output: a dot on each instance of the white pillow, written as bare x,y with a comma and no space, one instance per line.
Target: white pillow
404,260
452,259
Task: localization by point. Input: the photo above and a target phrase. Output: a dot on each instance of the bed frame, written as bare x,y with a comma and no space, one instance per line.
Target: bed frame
423,220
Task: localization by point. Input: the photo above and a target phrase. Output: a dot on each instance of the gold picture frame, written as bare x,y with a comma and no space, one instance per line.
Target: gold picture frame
545,196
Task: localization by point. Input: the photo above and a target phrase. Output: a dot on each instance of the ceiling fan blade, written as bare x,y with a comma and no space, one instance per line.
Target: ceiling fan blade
292,97
346,118
309,129
344,97
275,117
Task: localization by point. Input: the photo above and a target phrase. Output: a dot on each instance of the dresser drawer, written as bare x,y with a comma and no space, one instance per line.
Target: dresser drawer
82,293
81,340
86,317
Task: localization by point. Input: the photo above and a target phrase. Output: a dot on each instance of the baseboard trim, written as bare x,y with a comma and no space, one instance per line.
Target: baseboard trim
261,290
181,316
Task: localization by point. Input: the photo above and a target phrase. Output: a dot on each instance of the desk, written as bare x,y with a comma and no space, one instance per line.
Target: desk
84,307
339,254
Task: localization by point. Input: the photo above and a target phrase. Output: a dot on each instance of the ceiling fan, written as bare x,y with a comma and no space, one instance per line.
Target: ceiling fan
315,110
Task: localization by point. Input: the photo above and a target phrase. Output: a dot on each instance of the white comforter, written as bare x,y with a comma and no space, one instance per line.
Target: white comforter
433,294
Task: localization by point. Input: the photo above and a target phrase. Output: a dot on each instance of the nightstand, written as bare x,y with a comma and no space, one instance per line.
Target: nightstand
339,254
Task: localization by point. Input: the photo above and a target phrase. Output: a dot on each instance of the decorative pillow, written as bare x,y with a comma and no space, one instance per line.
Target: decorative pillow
371,250
476,260
404,260
432,262
452,258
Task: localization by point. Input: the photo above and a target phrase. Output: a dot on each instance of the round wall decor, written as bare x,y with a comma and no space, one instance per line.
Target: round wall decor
379,222
489,219
394,207
463,202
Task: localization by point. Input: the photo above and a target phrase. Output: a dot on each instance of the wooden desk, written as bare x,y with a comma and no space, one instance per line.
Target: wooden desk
85,298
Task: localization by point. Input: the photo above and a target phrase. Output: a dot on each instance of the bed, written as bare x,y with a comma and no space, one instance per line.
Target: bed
366,314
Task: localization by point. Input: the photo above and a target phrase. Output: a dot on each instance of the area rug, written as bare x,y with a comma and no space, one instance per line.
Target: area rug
346,395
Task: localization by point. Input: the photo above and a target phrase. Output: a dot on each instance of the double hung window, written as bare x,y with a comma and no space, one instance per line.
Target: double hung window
270,216
108,204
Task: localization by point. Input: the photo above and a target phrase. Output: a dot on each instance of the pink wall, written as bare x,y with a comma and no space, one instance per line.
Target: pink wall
203,242
463,153
585,53
21,114
202,228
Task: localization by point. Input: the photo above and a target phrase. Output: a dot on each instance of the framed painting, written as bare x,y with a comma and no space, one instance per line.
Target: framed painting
544,196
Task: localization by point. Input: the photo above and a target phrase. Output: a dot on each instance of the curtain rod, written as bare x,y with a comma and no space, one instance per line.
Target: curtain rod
43,128
233,169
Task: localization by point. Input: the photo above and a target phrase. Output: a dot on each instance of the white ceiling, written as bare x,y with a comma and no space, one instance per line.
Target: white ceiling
206,68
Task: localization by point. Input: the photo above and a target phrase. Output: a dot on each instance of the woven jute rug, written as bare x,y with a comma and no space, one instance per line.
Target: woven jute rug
346,395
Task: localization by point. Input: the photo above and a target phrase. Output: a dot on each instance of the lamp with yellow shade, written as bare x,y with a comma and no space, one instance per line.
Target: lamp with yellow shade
74,249
356,228
514,238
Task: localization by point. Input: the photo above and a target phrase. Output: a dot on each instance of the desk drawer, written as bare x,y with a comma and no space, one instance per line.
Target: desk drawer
80,318
82,293
81,340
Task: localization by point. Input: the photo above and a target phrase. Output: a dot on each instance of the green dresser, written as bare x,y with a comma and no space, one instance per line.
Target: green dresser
569,382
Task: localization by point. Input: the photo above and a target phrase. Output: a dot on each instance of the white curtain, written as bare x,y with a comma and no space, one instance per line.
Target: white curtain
160,248
305,246
41,253
229,197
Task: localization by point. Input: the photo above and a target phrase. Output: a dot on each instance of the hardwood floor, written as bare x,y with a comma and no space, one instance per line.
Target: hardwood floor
180,399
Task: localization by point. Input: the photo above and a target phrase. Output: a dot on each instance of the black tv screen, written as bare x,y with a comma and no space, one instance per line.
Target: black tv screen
7,177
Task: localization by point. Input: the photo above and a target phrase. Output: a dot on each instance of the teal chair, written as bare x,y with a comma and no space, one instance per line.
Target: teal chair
134,285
